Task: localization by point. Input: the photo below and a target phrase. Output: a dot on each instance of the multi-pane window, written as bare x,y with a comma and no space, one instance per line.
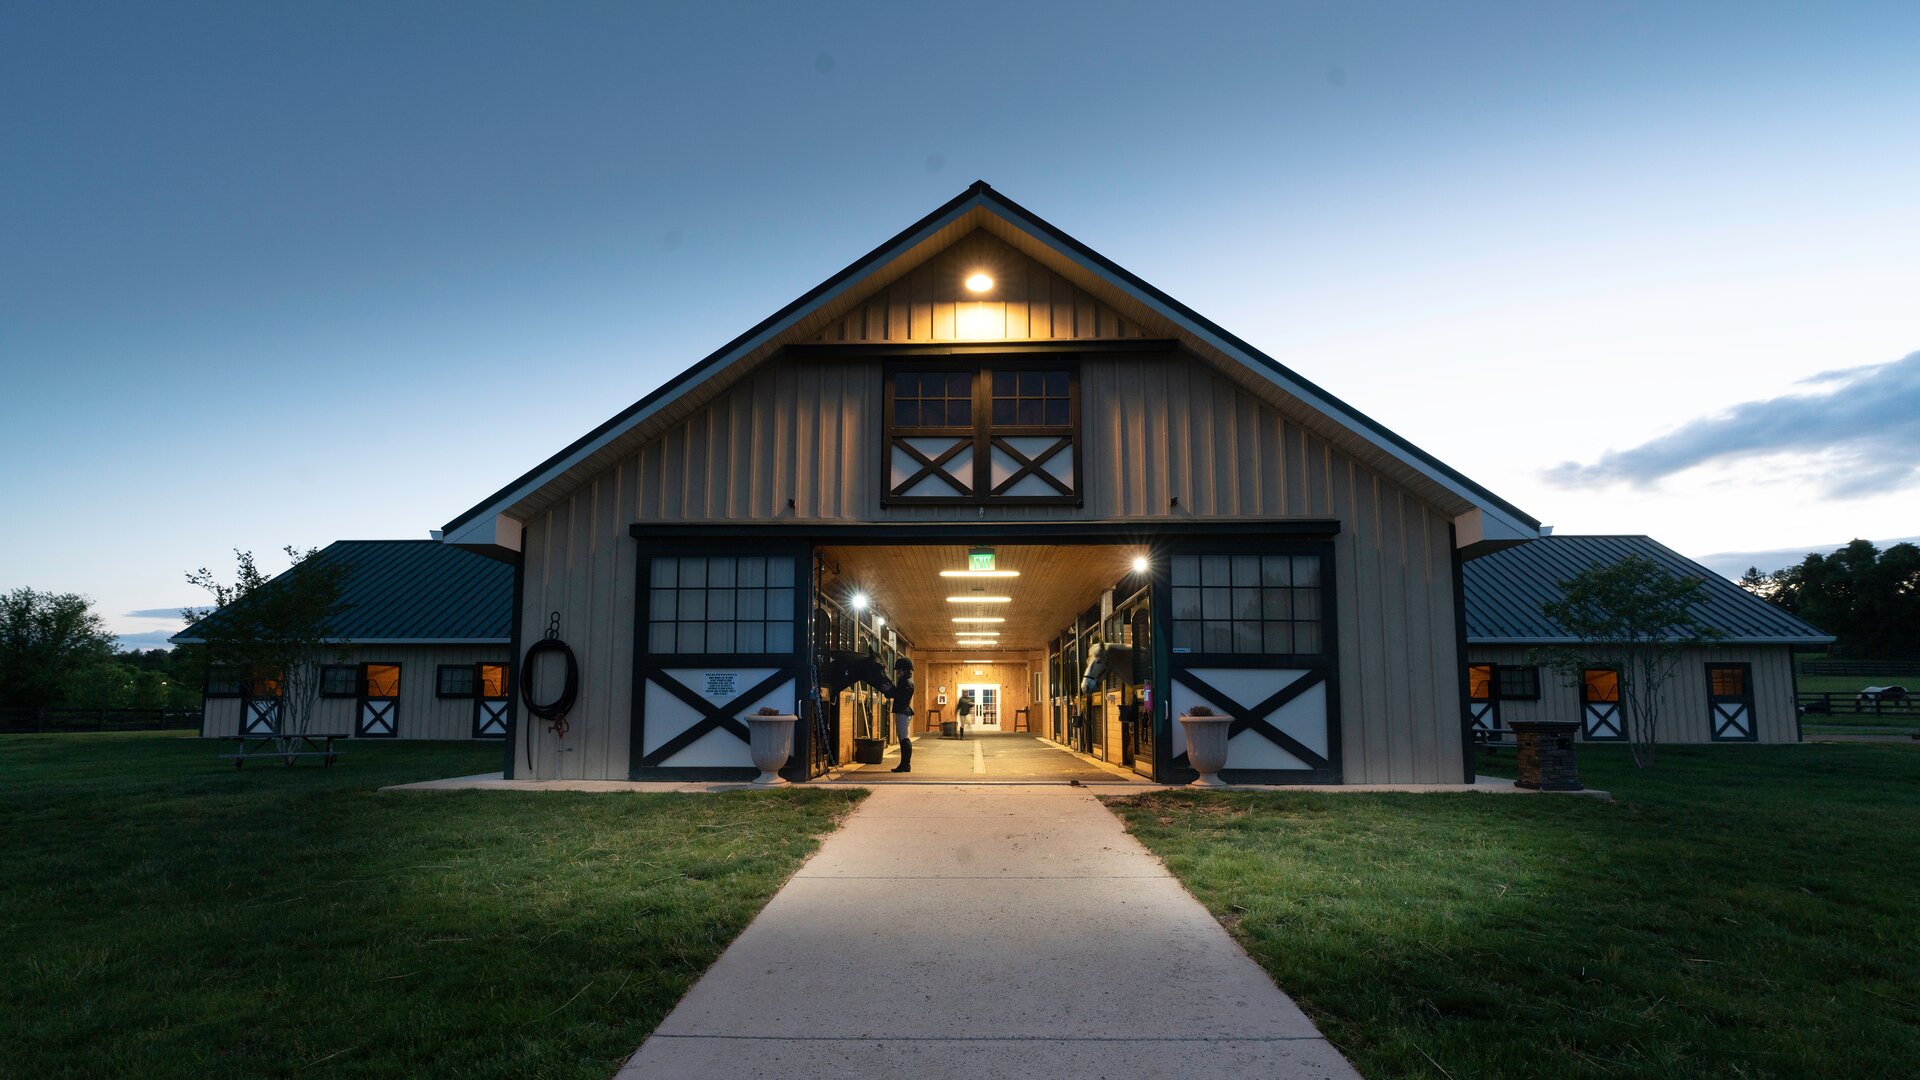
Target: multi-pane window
223,682
1519,683
1247,604
1031,399
1726,683
933,399
339,680
721,604
455,681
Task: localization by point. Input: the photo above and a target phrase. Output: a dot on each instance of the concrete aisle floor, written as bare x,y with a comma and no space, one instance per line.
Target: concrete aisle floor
984,932
987,758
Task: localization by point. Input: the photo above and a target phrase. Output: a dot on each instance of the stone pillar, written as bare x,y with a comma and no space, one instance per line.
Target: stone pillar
1544,754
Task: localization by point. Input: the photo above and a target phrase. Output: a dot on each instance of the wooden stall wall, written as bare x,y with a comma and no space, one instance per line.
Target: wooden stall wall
1683,704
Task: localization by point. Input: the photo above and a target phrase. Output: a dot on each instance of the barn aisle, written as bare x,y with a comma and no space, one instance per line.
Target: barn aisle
953,931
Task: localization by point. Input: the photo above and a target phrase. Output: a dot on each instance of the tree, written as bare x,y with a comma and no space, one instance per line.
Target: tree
1868,599
45,638
274,634
1635,617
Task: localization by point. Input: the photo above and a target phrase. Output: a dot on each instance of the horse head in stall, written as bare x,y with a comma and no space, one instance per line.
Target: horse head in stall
843,669
1103,659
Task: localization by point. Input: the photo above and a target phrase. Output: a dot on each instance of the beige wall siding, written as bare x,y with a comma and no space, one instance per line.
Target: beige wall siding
1683,703
422,714
1155,428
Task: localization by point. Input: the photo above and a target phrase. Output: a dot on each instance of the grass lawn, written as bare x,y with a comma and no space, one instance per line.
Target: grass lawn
164,915
1738,912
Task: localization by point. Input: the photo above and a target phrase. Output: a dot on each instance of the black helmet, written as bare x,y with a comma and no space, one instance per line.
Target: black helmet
903,664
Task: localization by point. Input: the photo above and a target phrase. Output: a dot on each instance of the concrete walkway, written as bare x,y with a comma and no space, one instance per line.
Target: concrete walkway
951,931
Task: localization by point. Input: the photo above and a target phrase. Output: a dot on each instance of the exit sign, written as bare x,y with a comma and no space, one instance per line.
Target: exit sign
980,559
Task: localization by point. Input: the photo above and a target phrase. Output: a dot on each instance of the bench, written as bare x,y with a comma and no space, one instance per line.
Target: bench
255,746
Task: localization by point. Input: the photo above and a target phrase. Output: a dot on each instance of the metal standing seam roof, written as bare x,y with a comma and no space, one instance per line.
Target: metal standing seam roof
414,591
1504,592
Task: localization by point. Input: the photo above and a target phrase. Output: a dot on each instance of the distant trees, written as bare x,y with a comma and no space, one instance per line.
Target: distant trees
1868,599
47,640
1635,617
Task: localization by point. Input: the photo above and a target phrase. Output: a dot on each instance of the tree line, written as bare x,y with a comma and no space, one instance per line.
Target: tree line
1868,599
55,651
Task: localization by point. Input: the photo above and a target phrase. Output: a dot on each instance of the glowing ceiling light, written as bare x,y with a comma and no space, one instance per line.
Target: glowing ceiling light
979,282
859,601
979,642
1139,564
977,633
979,599
879,620
980,573
978,618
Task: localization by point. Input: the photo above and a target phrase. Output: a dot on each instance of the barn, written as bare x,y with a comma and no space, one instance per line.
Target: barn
988,448
1739,689
424,632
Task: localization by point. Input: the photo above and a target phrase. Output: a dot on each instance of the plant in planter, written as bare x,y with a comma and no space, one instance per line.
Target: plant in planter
772,743
1206,735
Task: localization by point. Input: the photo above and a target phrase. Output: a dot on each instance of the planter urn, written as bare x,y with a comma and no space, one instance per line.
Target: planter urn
772,745
1207,746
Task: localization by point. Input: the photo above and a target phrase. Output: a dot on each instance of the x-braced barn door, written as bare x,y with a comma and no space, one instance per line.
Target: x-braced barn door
1482,708
1250,636
379,716
1730,701
490,702
1600,718
721,635
260,710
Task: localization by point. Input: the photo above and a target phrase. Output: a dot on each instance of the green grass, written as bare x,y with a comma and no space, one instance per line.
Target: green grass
1739,912
164,915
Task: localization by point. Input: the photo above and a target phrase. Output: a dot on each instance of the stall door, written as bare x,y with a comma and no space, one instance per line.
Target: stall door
490,702
260,710
379,716
1482,708
1600,716
725,635
1250,637
1730,702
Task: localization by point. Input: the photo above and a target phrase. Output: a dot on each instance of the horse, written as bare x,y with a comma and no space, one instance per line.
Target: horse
843,669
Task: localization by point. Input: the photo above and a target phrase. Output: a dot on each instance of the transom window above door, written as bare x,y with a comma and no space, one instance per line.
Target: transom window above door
993,432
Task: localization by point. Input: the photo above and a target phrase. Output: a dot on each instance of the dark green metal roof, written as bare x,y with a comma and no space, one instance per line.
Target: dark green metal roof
1504,592
414,590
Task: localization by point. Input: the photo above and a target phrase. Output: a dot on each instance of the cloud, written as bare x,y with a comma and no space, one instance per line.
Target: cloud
156,613
1861,436
1734,563
151,639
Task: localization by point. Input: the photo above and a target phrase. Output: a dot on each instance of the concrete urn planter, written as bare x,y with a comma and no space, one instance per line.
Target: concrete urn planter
772,745
1206,746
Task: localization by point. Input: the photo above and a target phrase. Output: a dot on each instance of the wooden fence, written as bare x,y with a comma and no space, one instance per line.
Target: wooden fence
1852,705
1864,668
15,719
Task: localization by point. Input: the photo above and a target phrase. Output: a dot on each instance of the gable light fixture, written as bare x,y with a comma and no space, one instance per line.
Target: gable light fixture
979,282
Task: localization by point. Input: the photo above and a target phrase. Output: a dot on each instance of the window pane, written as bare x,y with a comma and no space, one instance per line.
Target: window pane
959,413
780,570
1032,383
1003,411
1218,636
693,604
662,604
1216,603
1246,637
1216,570
1186,603
750,637
1276,603
1306,570
906,384
1057,384
719,605
1306,637
720,573
660,637
906,412
1306,603
1279,637
752,604
1276,571
693,573
1246,603
1003,384
780,637
752,571
1186,570
720,637
663,572
693,637
1057,412
1186,635
780,605
1246,569
456,682
1033,412
959,385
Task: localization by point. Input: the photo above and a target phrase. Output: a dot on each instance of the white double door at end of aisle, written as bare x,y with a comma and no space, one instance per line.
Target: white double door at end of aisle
986,706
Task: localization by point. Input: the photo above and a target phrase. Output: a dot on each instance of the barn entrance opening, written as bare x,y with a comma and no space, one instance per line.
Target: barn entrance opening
1002,639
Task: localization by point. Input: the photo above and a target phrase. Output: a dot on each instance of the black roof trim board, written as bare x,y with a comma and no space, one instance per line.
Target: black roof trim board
928,224
1505,591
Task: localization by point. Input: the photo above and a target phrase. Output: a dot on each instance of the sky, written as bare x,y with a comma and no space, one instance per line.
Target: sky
286,274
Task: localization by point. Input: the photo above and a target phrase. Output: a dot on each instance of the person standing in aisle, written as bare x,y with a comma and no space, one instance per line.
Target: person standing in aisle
903,712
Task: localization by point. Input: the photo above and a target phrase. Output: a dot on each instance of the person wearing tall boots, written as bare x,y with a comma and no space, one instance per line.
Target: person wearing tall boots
902,700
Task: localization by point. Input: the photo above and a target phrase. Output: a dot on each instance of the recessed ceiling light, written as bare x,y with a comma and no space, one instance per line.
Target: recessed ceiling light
979,599
980,573
970,641
976,633
978,618
979,282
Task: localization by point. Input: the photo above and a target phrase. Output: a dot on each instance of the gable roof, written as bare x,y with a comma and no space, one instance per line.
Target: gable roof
1504,592
981,207
412,592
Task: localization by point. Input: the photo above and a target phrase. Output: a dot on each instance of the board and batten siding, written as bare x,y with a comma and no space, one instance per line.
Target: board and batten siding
1683,701
1155,428
422,713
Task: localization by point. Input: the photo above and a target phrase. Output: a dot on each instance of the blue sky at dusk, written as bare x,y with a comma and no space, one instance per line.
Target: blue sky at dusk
277,274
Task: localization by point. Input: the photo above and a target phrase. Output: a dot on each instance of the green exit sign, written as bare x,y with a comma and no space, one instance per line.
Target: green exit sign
980,559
